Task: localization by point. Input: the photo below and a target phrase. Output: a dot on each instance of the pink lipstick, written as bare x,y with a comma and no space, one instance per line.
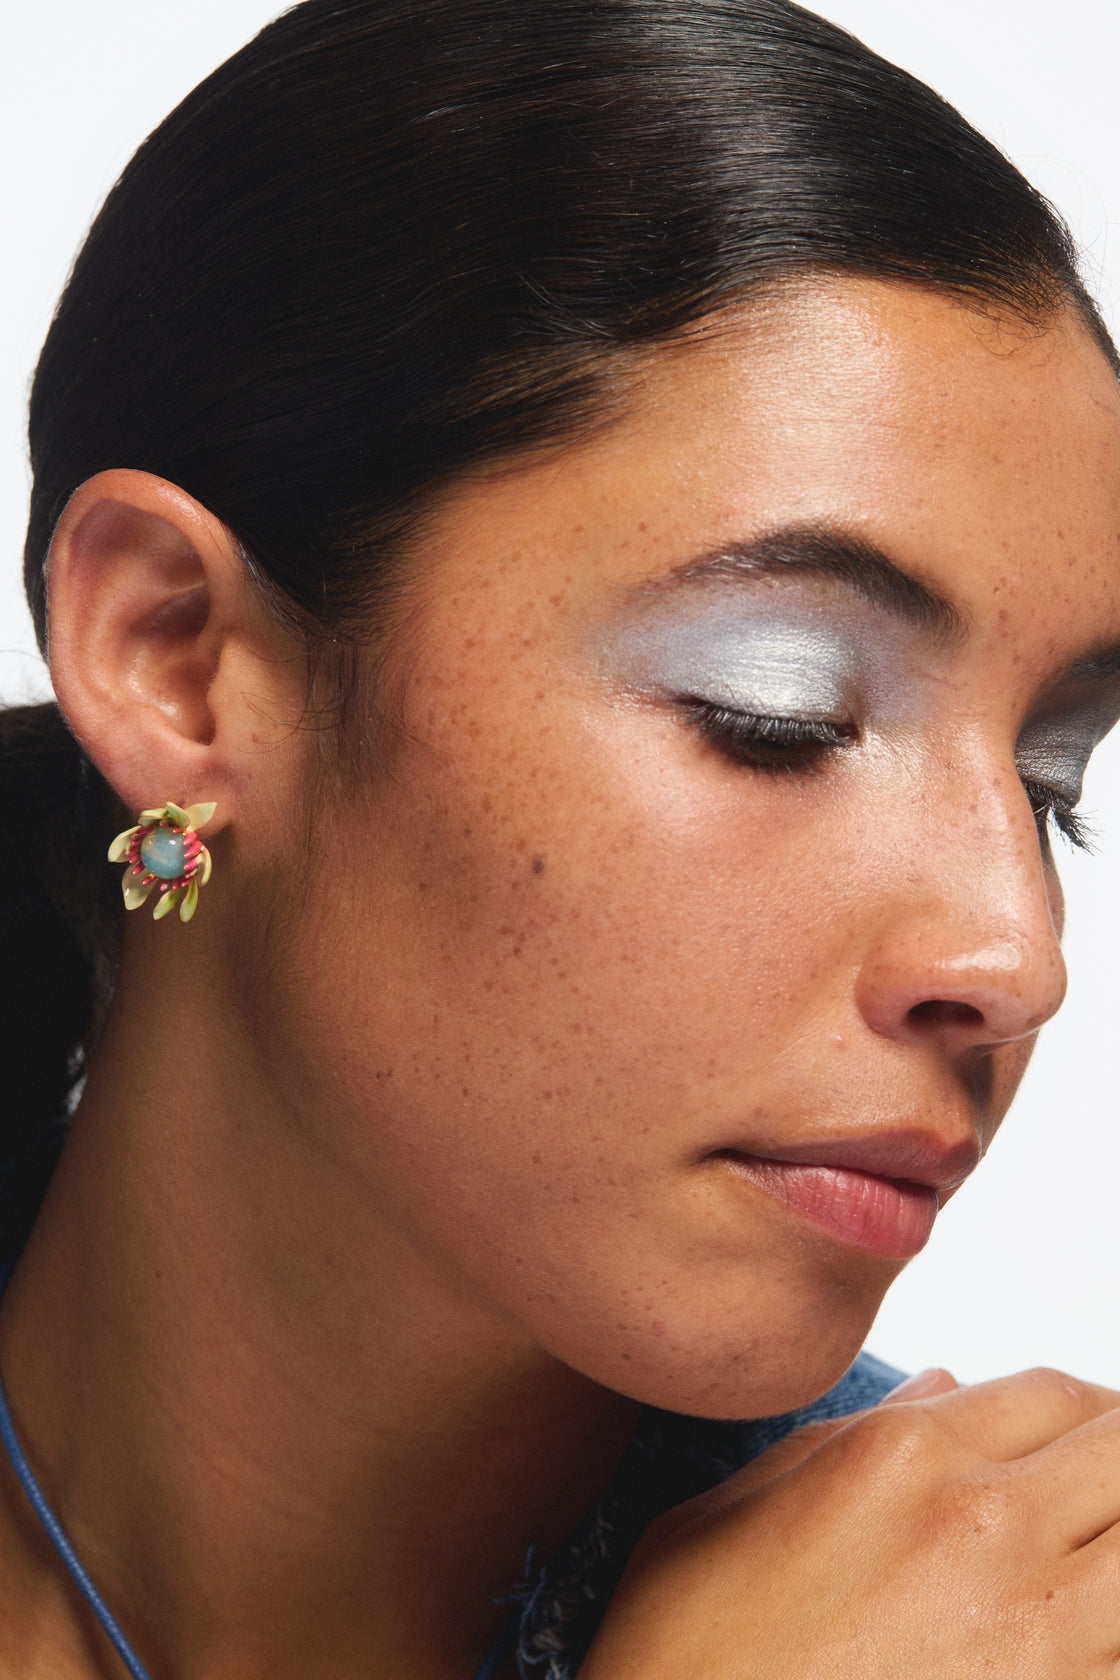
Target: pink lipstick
887,1216
880,1193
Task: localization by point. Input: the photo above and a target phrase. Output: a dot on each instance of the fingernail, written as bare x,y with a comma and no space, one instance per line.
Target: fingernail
929,1381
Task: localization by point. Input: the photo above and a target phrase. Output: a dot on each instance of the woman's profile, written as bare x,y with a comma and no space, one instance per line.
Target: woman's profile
576,544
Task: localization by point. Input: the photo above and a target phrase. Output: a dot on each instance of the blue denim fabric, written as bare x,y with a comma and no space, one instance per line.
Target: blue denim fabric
671,1459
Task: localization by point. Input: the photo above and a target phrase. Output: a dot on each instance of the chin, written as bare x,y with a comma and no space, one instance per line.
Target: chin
750,1373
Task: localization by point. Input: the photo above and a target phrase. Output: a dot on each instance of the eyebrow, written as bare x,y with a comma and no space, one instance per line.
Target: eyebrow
829,551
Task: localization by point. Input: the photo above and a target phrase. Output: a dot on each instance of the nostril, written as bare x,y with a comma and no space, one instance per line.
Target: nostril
945,1010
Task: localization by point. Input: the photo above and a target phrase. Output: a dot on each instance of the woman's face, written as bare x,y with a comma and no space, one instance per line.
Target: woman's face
693,939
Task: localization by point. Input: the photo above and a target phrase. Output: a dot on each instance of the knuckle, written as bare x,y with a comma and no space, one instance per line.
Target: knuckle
976,1510
1052,1384
899,1435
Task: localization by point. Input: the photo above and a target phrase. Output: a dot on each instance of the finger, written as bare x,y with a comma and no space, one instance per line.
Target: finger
923,1386
785,1455
795,1448
1075,1481
791,1450
1016,1416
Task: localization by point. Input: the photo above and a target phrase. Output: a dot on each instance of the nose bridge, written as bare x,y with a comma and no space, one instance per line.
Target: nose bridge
971,925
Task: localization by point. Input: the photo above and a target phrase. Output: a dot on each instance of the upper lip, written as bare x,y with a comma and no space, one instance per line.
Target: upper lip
912,1156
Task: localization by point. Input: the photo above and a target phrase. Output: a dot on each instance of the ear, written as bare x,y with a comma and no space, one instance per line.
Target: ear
169,671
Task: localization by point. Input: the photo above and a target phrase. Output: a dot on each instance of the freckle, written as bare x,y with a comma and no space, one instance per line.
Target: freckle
538,865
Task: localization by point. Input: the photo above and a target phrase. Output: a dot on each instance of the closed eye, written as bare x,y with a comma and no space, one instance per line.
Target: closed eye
767,743
1052,809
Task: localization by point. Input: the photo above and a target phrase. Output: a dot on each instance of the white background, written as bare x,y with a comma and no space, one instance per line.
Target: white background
1025,1265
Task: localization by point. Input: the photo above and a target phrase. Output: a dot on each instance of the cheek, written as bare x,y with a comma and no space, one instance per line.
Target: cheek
596,949
568,978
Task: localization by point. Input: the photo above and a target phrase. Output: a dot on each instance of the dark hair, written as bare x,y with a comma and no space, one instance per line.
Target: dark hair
392,238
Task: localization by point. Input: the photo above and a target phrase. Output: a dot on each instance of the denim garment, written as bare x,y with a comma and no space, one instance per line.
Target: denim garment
670,1459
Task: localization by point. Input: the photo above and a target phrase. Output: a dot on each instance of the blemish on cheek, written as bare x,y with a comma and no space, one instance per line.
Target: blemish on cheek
538,865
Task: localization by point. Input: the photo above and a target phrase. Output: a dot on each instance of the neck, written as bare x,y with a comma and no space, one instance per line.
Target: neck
280,1441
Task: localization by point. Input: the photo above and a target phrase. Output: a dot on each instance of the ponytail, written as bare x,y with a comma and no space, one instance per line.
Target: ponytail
59,938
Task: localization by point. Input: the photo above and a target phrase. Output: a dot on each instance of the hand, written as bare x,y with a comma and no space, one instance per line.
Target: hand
947,1534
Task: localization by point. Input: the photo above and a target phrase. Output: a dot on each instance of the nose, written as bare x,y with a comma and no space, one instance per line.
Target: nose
966,950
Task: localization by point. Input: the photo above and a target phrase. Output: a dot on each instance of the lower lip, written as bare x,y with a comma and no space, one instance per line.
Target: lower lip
879,1215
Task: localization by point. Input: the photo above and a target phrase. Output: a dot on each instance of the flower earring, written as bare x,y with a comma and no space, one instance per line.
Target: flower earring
163,849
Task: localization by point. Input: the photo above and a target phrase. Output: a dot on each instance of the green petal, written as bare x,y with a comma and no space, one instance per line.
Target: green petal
119,848
190,903
199,814
177,815
203,874
136,889
153,816
166,904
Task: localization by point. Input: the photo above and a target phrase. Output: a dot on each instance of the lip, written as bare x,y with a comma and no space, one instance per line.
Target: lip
879,1193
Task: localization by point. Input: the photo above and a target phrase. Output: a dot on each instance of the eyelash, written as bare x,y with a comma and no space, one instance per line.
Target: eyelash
794,745
1049,807
797,746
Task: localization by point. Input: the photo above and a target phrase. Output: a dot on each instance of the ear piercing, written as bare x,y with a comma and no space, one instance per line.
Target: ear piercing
163,850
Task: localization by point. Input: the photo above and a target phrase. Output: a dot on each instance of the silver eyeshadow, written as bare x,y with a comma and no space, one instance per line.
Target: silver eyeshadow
1056,751
772,661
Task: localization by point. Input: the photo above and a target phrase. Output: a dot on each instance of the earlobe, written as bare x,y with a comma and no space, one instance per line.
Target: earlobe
152,632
